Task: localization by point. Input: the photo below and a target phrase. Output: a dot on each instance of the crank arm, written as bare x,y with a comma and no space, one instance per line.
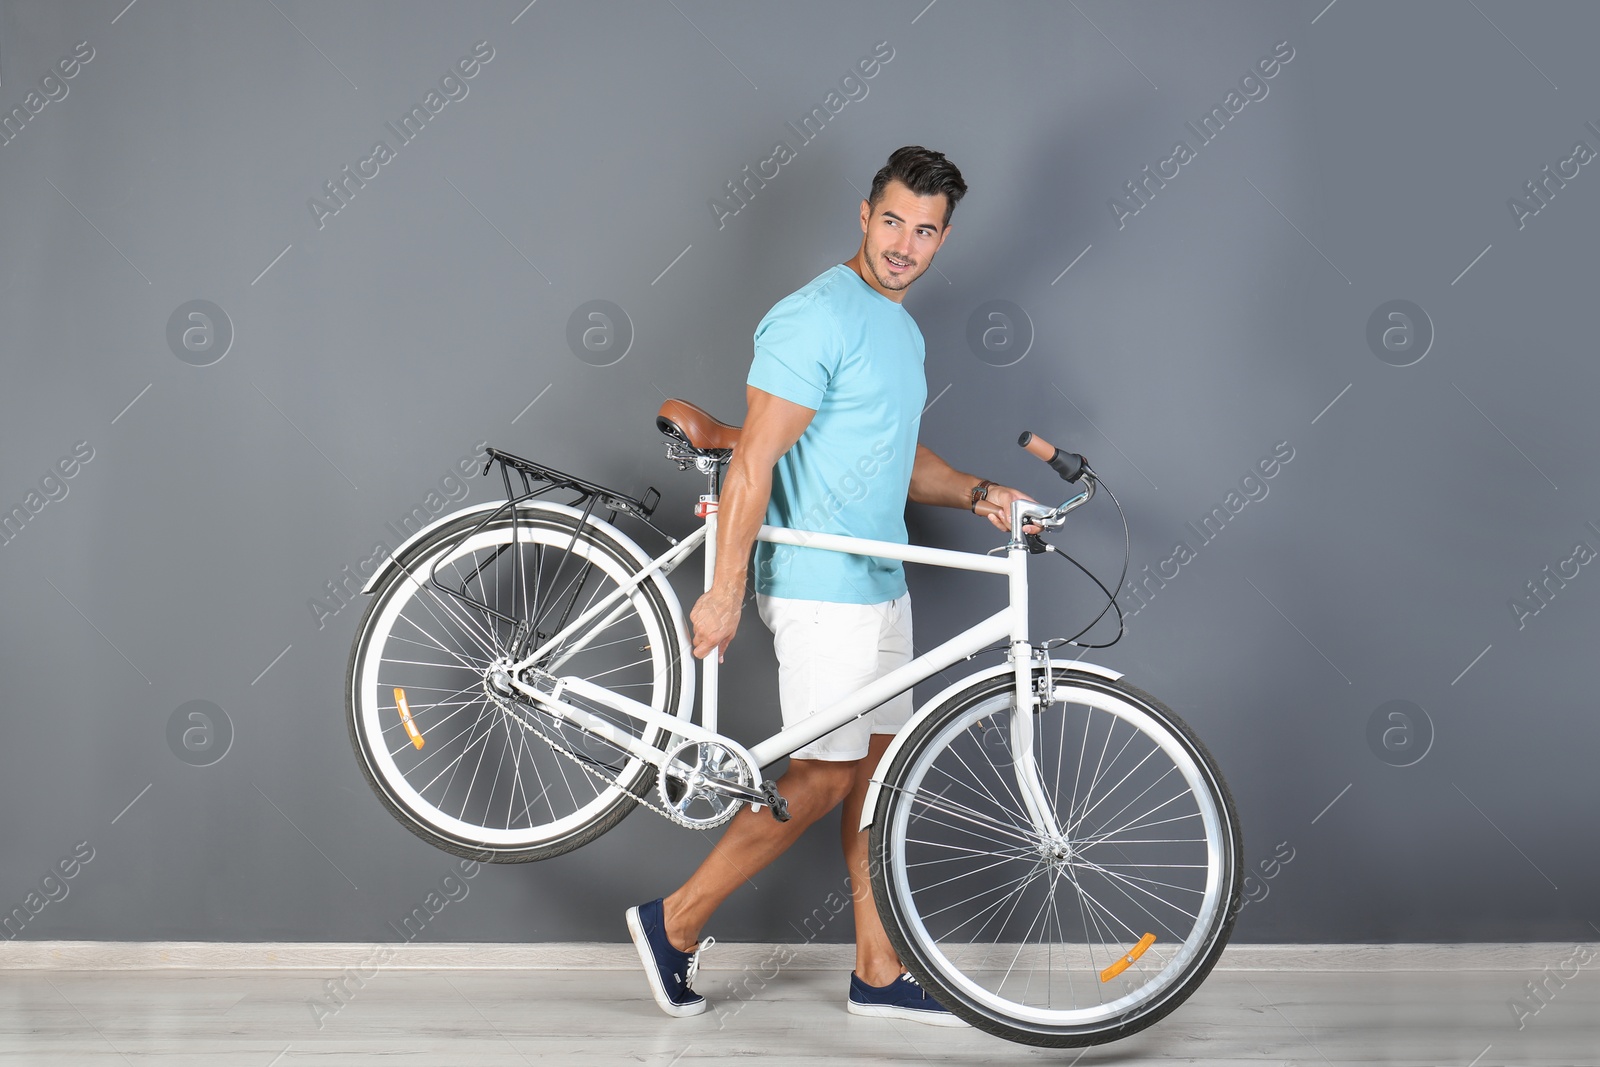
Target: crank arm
736,791
767,796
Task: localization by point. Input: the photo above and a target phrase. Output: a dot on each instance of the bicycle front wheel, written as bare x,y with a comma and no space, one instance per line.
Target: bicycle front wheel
1056,939
457,757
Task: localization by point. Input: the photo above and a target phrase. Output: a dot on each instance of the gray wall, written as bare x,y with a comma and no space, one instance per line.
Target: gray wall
372,348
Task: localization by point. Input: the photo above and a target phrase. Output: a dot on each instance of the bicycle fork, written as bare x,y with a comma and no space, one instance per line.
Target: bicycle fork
1028,700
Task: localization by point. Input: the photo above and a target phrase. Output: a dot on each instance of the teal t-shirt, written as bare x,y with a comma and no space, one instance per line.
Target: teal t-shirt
855,357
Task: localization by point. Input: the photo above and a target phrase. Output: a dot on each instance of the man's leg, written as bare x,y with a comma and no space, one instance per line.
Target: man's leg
754,839
876,961
876,988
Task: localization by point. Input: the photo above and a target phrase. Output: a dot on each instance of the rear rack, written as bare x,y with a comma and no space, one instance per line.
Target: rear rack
589,493
536,480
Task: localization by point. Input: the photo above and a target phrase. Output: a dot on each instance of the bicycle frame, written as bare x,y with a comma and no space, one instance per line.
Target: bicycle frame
1010,625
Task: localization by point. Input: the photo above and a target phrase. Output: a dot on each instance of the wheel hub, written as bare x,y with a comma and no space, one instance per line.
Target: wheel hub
497,680
1056,851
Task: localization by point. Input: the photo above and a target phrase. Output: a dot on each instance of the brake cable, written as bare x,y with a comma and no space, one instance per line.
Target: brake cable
1111,598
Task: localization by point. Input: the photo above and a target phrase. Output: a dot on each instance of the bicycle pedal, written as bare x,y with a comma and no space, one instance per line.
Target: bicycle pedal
775,802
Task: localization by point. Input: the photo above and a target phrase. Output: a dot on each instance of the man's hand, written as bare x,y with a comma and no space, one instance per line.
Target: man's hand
933,481
996,507
715,618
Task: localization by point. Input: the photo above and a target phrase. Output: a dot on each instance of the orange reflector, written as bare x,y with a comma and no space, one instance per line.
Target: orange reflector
1127,961
411,727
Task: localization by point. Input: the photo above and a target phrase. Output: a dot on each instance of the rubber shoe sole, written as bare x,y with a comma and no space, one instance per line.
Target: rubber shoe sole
890,1011
641,942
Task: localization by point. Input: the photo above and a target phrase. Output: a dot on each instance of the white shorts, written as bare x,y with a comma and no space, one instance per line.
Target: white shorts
826,651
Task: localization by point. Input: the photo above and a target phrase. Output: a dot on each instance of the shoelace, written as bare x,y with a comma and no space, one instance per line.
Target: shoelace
694,961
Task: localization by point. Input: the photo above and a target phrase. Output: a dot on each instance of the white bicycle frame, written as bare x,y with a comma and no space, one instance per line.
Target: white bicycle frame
1010,625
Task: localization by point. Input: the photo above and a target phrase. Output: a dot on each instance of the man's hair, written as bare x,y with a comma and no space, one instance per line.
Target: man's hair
923,171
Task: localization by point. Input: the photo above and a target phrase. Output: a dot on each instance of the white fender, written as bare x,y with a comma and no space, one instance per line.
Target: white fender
932,705
686,703
389,564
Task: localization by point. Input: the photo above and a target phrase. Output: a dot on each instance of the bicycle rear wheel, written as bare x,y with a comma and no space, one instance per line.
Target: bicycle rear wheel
458,760
1075,940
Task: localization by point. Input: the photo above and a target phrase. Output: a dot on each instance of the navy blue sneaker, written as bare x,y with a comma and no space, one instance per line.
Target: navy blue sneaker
670,971
902,998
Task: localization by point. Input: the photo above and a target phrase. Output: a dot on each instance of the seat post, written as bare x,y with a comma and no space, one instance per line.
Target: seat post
708,512
711,467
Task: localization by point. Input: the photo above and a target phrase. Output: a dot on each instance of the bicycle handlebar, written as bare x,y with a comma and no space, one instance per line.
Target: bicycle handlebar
1069,465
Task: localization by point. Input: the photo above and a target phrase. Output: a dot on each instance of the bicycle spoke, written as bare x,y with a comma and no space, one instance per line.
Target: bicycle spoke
1017,805
968,874
1150,812
1166,926
1148,756
468,625
463,663
1129,933
986,853
1018,884
1133,883
1023,943
452,766
478,767
976,818
403,741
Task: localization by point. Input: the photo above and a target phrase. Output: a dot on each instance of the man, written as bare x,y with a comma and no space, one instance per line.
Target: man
835,396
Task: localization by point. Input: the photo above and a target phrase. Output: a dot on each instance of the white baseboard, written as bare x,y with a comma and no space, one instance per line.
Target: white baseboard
236,956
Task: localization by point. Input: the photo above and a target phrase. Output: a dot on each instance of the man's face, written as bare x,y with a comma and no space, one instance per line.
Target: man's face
903,232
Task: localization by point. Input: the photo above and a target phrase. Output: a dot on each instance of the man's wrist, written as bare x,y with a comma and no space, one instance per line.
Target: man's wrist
729,589
979,492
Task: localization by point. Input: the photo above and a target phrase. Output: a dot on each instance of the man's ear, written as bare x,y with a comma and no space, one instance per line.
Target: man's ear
866,213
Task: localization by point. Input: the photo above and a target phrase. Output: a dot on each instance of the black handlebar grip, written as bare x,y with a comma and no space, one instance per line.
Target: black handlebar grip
1069,465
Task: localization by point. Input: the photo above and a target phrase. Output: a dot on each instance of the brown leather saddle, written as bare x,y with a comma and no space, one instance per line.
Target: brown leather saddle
694,426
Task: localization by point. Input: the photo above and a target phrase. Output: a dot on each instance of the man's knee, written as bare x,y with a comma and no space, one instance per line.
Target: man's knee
829,780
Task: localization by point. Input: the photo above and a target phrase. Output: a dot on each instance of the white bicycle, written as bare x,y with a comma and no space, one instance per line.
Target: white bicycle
1054,853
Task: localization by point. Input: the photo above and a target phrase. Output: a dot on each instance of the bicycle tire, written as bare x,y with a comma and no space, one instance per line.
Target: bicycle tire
424,641
941,880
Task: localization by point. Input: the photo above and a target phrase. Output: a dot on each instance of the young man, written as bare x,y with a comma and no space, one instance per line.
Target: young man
835,396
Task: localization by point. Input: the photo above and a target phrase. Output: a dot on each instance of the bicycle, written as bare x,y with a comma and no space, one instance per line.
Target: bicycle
1061,877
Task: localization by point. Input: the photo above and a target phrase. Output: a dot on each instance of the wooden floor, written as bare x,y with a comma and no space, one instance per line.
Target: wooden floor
490,1018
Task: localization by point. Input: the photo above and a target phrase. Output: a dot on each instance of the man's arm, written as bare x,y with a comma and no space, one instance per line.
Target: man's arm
771,427
933,481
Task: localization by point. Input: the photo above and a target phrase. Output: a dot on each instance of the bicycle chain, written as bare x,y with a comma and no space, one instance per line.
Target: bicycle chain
539,732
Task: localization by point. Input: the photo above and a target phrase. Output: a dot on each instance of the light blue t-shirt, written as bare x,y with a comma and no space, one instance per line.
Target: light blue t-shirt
854,356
